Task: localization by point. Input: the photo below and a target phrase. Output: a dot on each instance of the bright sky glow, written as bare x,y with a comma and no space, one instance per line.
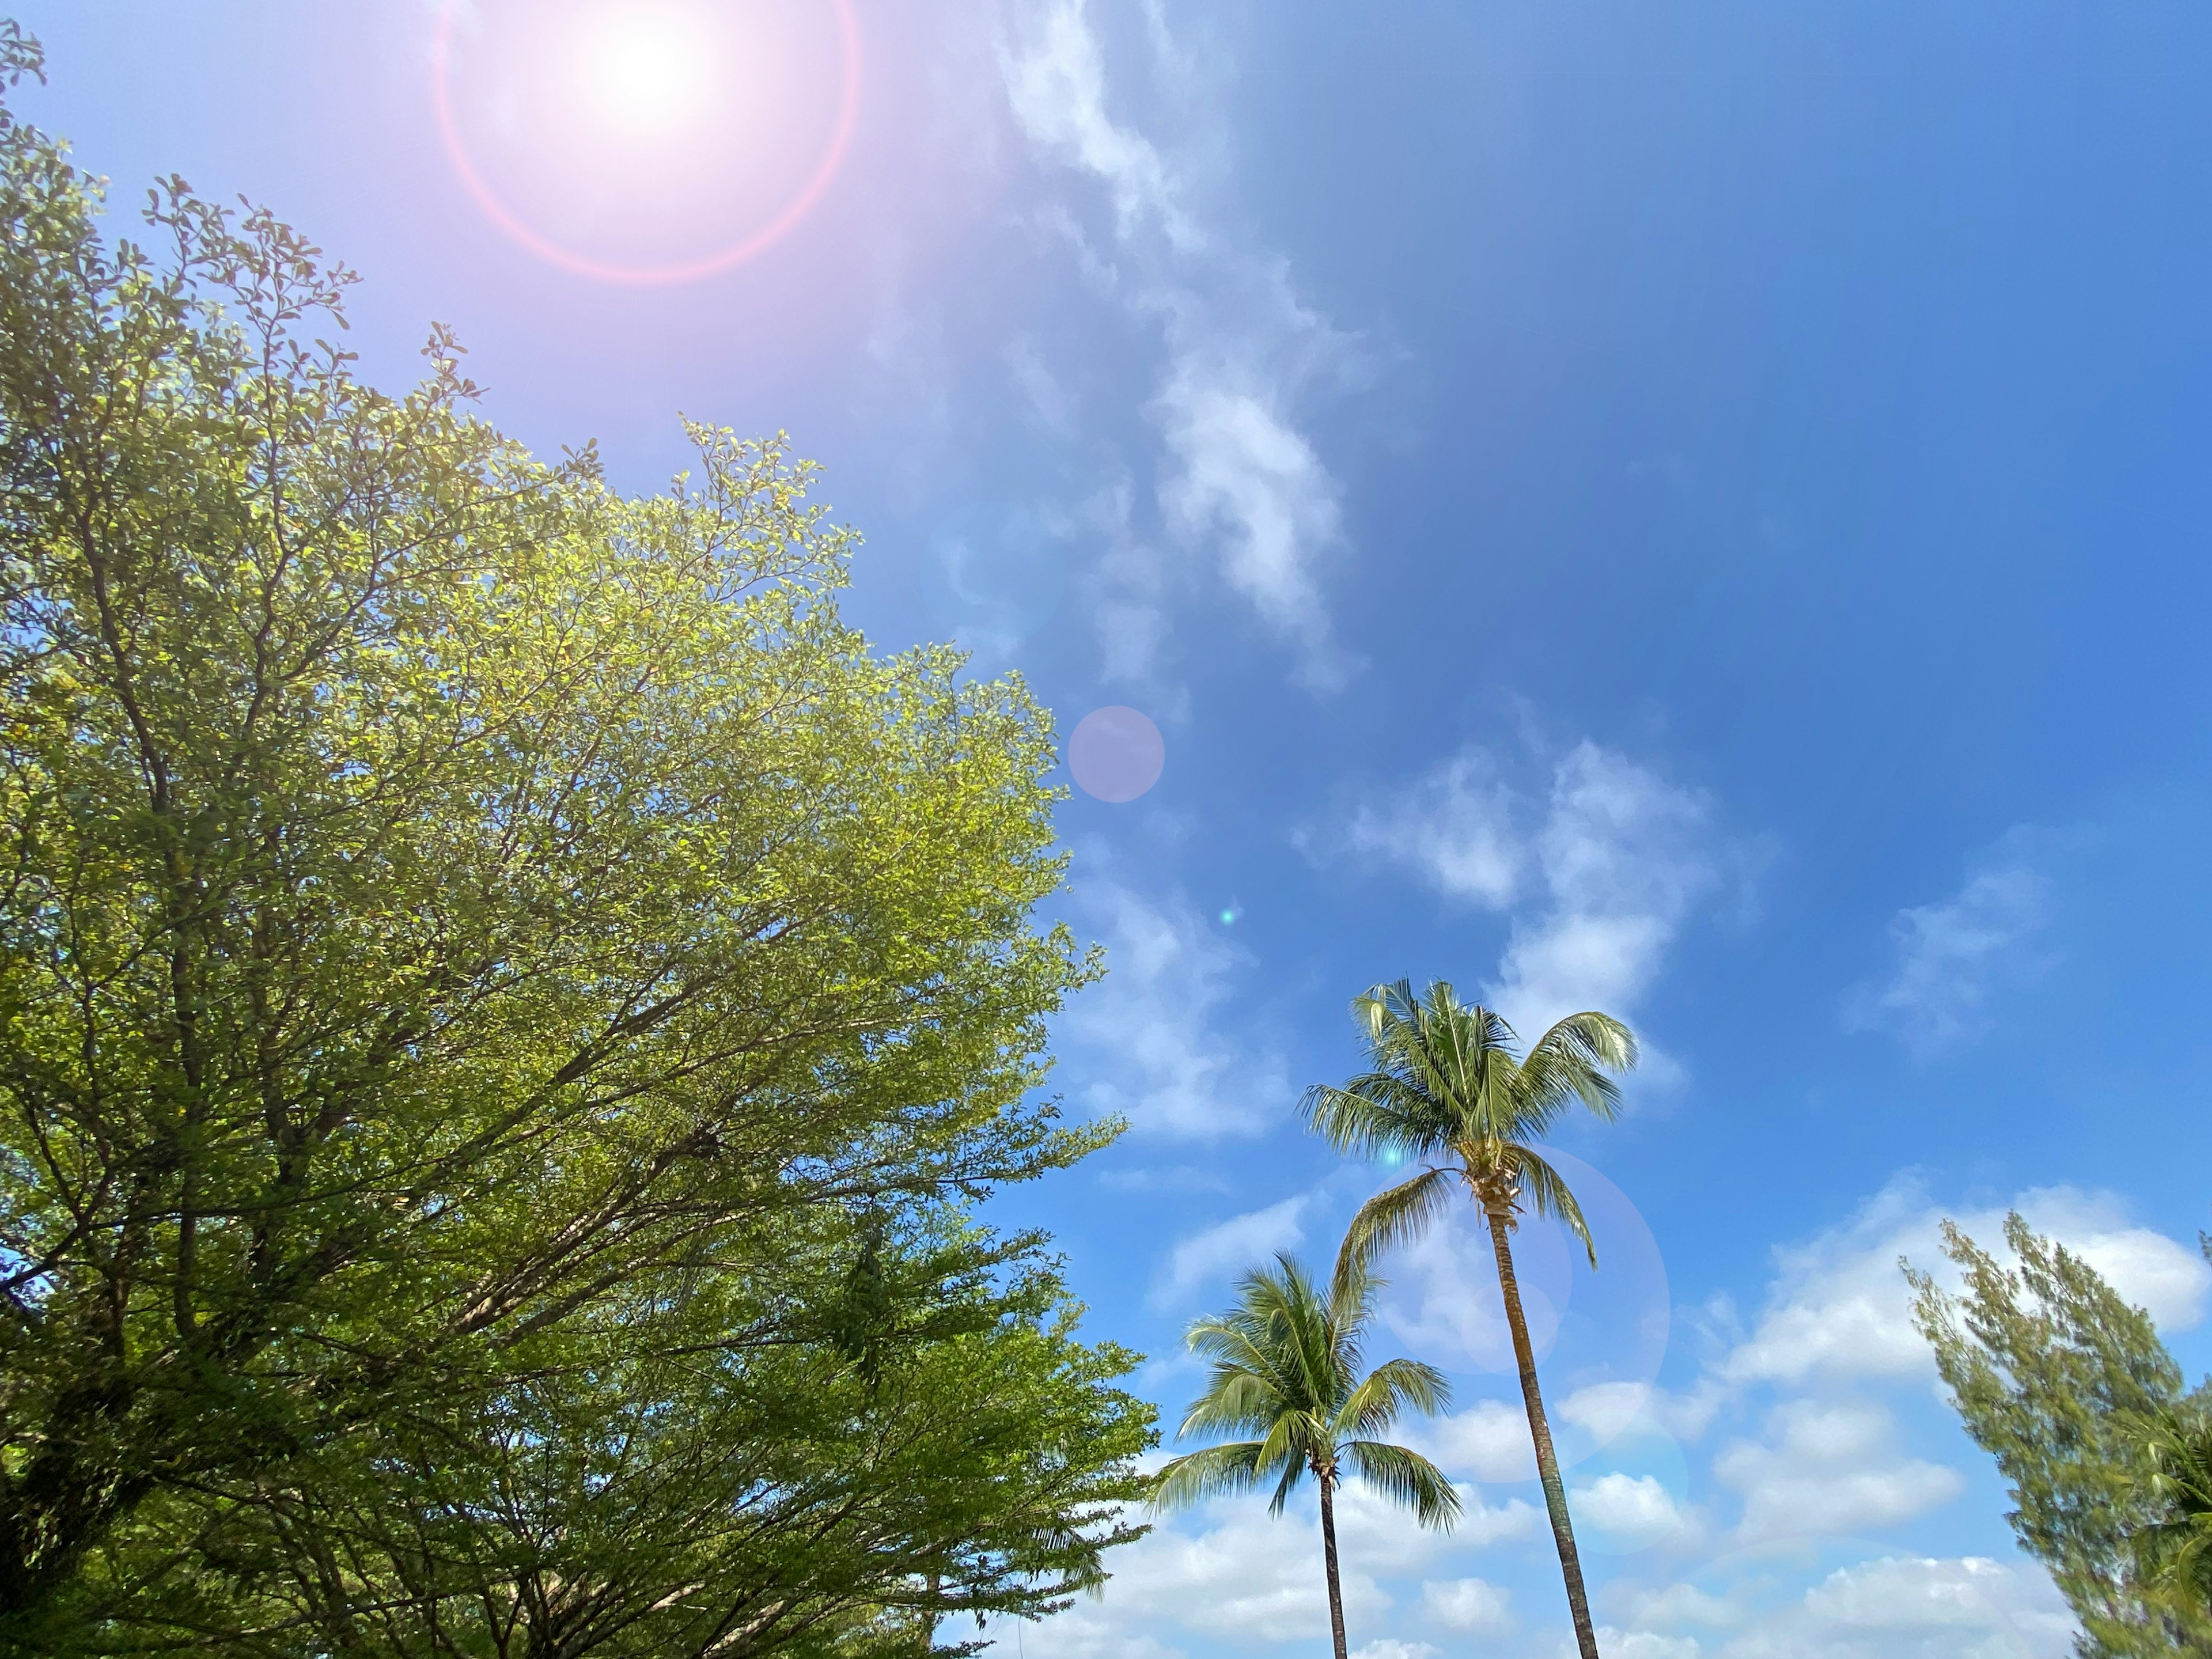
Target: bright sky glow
647,72
650,143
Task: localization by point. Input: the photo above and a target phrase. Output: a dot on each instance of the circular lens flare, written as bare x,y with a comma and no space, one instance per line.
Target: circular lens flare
584,129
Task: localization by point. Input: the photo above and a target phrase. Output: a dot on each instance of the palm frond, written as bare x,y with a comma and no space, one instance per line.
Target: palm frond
1234,1401
1376,1112
1217,1471
1571,1060
1544,1192
1394,1216
2174,1550
1408,1478
1386,1391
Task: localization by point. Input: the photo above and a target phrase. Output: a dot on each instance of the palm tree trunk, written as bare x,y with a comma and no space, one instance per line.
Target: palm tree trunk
1329,1554
1539,1430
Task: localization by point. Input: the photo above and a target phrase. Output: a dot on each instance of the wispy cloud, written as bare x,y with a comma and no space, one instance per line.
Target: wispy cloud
1951,956
1056,83
1601,866
1233,1246
1239,483
1148,1036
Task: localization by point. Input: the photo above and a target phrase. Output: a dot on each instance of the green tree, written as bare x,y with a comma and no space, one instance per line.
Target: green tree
2173,1548
475,949
2053,1374
797,1496
1289,1367
1447,1085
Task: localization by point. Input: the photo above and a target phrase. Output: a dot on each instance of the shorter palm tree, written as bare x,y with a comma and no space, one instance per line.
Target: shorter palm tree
1287,1368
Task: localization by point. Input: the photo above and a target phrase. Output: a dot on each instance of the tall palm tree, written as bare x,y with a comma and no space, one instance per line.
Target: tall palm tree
1287,1368
1448,1086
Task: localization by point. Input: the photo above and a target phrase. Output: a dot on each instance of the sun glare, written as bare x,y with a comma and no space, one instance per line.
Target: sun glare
646,74
647,141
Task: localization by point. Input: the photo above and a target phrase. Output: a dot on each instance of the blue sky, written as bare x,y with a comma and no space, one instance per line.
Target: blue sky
1699,513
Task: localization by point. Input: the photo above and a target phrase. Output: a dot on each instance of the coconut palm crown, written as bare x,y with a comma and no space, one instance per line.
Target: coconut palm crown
1289,1374
1447,1085
2174,1552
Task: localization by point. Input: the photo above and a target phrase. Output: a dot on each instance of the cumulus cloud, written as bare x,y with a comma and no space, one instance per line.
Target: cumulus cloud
1228,1248
1391,1647
1829,1469
1634,1511
1640,1644
1466,1604
1950,956
1839,1308
1600,868
1605,1410
1247,1577
1240,481
1903,1607
1149,1033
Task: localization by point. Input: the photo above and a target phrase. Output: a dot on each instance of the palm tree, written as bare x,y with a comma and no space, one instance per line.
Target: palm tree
1287,1368
2173,1550
1447,1085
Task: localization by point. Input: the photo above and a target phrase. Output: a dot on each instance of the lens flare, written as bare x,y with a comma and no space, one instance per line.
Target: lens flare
648,143
1116,753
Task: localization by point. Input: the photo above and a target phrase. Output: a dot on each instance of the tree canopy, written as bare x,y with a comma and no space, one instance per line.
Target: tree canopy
2055,1376
505,1003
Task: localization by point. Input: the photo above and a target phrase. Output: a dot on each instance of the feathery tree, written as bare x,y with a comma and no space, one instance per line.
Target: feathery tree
2055,1376
1447,1085
476,948
1289,1368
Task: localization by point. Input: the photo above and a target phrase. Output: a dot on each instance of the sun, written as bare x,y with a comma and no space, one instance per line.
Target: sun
646,142
645,73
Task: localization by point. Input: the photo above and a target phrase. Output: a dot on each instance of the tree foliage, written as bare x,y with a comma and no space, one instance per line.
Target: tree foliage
2054,1374
505,1002
2173,1548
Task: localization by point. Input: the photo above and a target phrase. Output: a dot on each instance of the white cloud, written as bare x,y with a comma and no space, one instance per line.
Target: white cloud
1840,1308
1459,827
1239,479
1245,474
1057,87
1391,1647
1228,1248
1641,1645
1893,1608
1951,956
1249,1578
1487,1442
1684,1604
1148,1032
1601,870
1604,1411
1910,1594
1473,1605
1634,1511
1828,1469
1624,854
